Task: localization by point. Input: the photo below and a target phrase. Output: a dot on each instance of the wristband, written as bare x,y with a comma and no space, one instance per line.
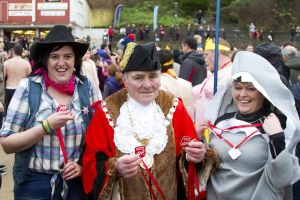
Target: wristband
47,127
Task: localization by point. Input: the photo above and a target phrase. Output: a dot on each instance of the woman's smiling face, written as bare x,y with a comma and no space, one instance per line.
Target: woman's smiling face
61,64
248,98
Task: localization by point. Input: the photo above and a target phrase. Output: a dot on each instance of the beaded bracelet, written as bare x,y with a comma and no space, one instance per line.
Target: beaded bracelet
47,127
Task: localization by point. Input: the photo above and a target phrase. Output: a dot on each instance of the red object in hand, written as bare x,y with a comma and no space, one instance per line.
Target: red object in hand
60,136
141,150
61,108
185,141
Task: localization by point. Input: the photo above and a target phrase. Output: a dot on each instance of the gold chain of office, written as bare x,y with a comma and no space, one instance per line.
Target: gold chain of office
144,141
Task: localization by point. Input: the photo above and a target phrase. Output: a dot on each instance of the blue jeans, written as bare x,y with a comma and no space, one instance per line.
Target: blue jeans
38,187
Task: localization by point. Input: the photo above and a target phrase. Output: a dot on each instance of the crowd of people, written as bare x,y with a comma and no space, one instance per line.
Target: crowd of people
142,121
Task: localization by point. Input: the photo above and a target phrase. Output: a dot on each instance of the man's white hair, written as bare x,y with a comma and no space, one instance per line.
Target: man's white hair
290,51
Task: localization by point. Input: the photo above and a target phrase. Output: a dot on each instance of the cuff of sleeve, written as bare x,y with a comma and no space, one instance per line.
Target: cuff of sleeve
277,144
186,163
111,169
276,137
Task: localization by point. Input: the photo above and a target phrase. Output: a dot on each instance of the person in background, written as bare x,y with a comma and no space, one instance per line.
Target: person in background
177,32
147,30
101,70
176,65
89,70
46,121
15,69
257,140
133,29
161,32
204,92
249,48
3,58
113,83
193,65
252,30
171,83
142,33
110,33
123,42
172,33
189,30
271,36
273,54
199,43
199,16
293,34
291,60
128,29
140,128
295,89
104,47
261,35
122,32
3,55
297,33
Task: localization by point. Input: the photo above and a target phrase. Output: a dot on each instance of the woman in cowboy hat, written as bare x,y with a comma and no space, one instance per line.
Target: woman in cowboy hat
47,119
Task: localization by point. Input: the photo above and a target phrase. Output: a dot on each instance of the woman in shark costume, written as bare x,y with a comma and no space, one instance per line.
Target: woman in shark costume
256,143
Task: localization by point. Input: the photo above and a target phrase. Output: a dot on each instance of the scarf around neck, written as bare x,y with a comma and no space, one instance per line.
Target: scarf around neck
67,87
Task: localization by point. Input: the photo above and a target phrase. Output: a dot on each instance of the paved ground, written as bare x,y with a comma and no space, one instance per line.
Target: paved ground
6,191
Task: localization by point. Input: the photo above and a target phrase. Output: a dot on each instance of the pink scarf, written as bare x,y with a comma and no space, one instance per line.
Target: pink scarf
67,87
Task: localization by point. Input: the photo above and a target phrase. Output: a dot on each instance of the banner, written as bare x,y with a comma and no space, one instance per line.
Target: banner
117,15
155,12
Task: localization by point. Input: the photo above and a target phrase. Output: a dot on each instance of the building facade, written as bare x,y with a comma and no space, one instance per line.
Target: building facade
36,17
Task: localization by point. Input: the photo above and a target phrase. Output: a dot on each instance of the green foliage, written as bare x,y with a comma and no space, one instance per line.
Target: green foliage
279,15
225,3
192,6
267,14
142,14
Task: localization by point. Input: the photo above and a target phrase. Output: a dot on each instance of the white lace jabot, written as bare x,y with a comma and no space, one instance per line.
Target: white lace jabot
148,123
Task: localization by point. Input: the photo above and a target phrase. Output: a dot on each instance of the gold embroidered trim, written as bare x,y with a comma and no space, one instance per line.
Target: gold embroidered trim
128,52
170,114
107,115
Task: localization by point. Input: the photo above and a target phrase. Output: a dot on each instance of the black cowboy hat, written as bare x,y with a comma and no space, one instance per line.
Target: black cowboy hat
59,35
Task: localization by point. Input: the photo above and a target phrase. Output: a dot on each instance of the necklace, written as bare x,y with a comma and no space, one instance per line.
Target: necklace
143,141
148,159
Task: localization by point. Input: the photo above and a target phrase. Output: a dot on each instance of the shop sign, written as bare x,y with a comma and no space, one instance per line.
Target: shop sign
19,13
52,6
53,13
20,6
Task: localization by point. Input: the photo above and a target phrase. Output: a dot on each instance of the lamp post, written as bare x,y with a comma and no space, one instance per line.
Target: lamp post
176,6
176,11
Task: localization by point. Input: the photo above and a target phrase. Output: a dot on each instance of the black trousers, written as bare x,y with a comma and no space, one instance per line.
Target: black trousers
8,95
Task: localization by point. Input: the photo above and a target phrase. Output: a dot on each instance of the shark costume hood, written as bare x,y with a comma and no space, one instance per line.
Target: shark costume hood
251,67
